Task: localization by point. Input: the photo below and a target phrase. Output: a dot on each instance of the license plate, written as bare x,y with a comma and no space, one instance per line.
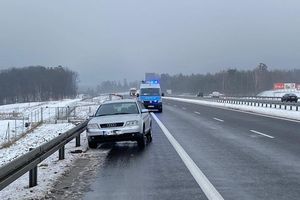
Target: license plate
151,106
108,133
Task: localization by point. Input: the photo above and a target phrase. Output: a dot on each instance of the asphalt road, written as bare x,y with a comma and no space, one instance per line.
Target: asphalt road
243,156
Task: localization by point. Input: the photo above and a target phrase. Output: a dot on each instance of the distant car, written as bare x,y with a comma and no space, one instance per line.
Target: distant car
289,98
133,92
120,120
215,95
200,94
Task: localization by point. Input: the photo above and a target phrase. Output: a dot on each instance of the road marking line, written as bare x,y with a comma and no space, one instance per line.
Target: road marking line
175,105
217,119
183,108
197,113
209,190
259,133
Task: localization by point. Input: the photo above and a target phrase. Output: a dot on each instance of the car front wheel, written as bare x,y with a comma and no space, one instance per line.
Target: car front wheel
149,136
142,142
92,144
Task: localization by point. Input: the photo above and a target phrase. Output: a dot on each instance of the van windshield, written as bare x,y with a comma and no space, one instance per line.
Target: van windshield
150,92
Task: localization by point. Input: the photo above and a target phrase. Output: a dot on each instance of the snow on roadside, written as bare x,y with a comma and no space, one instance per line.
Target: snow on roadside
50,169
48,172
278,93
42,134
291,114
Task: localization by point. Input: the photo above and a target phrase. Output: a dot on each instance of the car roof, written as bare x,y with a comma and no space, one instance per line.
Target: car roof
120,101
149,85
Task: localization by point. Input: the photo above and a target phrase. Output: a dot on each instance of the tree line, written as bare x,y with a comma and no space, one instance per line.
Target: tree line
37,83
116,86
231,81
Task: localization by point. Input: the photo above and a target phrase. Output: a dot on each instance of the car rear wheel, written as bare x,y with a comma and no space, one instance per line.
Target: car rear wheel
149,136
142,140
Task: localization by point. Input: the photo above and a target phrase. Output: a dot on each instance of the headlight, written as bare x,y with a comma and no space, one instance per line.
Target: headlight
93,126
132,123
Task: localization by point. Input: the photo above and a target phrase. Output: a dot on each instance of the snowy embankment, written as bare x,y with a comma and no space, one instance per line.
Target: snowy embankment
290,114
278,93
50,169
14,116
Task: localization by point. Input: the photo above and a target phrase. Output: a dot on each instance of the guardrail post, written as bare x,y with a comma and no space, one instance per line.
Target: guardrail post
284,107
78,141
61,153
297,108
33,175
42,120
270,105
291,107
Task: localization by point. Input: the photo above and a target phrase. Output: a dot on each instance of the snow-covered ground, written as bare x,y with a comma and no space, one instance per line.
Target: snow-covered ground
48,172
278,93
31,112
28,112
50,169
42,134
291,114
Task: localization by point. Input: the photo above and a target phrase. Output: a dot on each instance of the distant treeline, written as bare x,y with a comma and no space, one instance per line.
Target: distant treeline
231,81
115,86
37,83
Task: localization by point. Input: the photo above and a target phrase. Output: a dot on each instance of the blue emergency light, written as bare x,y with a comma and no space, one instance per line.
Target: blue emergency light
153,82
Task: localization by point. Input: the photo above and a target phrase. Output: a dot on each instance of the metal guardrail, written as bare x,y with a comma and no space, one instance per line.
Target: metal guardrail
29,161
268,102
261,103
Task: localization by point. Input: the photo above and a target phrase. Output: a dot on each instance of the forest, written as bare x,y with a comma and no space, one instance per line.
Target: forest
231,81
37,83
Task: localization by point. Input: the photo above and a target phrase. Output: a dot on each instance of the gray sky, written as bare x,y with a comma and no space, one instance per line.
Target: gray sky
116,39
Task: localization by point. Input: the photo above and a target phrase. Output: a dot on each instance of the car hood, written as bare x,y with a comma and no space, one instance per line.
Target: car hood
115,118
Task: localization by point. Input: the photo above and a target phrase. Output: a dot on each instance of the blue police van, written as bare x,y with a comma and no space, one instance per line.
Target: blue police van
151,96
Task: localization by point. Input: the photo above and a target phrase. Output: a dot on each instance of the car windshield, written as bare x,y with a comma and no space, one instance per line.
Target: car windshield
150,92
117,109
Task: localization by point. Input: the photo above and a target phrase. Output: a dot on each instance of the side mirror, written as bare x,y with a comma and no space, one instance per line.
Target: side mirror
137,95
145,110
162,94
91,115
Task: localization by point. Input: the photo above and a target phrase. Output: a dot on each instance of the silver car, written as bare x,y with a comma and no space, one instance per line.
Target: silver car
120,120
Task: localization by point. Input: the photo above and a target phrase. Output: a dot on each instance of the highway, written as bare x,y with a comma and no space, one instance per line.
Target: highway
210,153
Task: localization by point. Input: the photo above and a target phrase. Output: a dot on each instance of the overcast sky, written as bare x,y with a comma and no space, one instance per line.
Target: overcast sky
116,39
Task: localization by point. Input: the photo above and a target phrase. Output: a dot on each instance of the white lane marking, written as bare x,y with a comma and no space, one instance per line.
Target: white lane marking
209,190
183,108
260,133
235,110
217,119
197,113
175,105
